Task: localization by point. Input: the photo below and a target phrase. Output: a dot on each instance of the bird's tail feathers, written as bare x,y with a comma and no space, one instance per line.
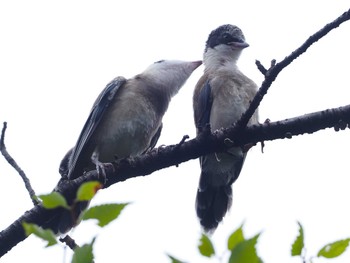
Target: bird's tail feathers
212,204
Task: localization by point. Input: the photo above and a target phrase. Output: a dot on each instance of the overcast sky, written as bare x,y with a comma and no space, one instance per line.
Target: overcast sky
56,57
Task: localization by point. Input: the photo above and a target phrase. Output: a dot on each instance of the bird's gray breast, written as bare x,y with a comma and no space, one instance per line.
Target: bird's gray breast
128,127
232,95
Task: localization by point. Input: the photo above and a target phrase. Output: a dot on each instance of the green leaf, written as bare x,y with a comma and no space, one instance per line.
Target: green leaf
104,213
334,249
88,190
174,260
83,254
245,252
45,234
54,200
235,238
298,244
206,247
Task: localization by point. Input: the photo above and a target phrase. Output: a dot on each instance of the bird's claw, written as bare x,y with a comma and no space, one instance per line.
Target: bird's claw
101,172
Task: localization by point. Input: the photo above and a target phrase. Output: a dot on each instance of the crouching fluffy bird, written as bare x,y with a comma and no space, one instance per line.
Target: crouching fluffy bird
221,96
125,120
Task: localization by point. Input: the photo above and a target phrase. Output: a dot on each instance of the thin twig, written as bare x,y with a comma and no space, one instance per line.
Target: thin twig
184,138
70,242
272,73
260,67
13,163
192,149
166,156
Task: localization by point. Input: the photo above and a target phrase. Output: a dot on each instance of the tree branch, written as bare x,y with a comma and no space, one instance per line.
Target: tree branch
175,154
272,73
206,143
163,157
13,163
69,242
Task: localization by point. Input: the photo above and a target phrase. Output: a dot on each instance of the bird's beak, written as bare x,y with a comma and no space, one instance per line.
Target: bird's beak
239,45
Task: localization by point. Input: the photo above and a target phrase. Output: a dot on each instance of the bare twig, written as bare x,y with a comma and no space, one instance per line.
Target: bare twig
184,138
261,67
171,155
192,149
70,242
13,163
272,73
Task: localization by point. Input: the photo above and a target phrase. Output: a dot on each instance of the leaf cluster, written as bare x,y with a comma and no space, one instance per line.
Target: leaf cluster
104,214
331,250
240,249
243,250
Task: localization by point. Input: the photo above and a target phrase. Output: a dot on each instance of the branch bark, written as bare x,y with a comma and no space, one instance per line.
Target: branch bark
13,163
237,135
163,157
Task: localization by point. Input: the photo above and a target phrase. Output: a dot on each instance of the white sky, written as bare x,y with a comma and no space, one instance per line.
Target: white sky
55,58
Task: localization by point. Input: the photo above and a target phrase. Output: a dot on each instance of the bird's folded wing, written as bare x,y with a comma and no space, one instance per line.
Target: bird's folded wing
97,112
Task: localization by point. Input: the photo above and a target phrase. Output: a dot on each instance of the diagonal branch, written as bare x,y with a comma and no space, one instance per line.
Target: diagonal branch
272,73
206,143
160,158
13,163
163,157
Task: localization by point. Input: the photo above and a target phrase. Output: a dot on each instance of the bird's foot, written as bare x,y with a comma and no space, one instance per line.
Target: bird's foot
101,172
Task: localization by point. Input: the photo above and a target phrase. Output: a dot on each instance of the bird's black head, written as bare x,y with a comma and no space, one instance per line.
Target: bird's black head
228,35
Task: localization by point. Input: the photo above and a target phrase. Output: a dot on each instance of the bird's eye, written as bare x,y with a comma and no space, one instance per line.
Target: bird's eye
226,36
159,61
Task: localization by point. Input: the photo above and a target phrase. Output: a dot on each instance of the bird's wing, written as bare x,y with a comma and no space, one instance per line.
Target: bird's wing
100,106
204,104
155,138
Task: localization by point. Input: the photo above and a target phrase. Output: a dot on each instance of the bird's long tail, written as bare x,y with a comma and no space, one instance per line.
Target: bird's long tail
212,204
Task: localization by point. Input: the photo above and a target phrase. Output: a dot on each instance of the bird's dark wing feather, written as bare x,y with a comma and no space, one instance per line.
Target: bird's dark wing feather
205,102
96,114
155,138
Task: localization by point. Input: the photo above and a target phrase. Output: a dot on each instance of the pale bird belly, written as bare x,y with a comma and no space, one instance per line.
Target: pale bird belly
223,117
127,139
